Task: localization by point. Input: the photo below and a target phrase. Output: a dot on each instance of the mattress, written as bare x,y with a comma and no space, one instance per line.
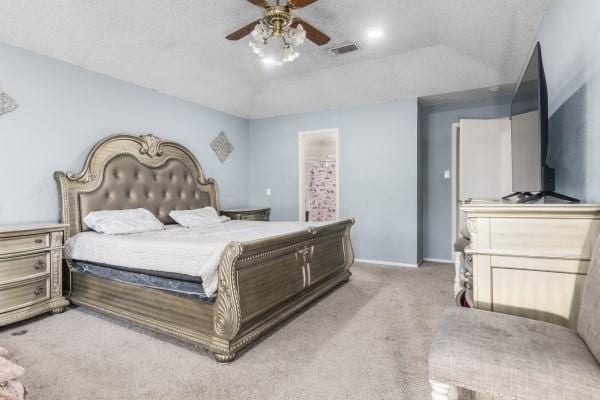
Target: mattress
194,252
180,285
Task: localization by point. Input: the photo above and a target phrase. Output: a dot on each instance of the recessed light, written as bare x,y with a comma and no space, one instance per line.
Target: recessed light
271,61
375,33
494,88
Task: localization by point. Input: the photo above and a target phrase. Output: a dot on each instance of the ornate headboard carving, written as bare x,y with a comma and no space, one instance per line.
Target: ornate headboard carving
124,171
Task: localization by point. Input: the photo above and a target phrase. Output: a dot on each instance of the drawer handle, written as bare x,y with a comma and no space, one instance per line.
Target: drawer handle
39,241
39,291
40,265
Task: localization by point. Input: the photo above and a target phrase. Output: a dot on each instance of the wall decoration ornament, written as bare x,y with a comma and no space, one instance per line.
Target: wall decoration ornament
221,146
7,103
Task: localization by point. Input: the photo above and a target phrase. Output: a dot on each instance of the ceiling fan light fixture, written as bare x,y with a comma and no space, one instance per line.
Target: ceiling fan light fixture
258,48
289,53
260,32
278,34
262,45
296,36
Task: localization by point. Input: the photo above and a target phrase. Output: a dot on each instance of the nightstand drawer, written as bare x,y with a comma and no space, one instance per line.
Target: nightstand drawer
24,243
24,295
253,217
17,268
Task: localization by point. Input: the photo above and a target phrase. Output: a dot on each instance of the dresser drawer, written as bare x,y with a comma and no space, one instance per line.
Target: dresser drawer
24,295
566,238
546,296
17,268
24,243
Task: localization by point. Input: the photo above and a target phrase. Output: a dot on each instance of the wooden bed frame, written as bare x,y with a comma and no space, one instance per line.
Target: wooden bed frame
261,282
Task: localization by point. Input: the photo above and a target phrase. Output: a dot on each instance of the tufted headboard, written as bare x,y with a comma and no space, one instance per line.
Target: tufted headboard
124,171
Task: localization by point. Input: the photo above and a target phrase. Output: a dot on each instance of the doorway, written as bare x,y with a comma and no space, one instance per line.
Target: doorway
319,168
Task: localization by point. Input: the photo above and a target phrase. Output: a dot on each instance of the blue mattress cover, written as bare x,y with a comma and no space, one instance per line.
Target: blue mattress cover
180,287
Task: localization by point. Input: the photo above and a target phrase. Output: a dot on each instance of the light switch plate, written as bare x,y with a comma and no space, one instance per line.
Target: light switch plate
446,174
268,192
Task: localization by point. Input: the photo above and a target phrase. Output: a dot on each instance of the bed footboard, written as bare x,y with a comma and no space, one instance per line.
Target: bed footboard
263,282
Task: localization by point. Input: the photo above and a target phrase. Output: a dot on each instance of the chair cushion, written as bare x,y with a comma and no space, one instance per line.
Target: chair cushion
512,356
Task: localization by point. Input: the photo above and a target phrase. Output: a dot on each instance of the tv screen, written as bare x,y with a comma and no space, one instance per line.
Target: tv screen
529,130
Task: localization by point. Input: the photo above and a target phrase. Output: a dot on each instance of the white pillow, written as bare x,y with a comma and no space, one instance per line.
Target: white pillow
120,222
200,217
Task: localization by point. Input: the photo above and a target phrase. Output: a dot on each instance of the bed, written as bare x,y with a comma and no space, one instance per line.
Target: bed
261,282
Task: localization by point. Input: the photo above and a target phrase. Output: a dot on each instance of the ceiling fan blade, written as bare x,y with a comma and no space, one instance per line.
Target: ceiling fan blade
299,3
312,33
260,3
240,33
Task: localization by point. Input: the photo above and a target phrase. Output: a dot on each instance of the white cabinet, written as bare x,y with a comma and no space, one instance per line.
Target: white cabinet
531,260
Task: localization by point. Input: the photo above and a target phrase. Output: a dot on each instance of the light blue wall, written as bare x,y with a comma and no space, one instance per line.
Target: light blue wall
378,173
63,110
437,157
570,39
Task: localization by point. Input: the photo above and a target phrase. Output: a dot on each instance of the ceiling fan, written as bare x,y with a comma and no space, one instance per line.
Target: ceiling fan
278,22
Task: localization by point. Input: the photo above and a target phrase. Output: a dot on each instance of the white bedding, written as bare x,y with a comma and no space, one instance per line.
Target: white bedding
190,251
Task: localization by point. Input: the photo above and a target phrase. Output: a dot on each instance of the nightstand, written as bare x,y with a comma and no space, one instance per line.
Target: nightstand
248,214
30,271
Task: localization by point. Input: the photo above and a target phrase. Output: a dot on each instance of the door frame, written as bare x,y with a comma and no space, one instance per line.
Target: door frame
454,176
330,131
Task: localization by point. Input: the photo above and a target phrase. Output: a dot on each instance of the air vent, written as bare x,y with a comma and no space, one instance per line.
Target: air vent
345,49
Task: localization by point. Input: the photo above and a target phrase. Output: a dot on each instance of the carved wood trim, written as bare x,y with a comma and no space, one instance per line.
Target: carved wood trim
348,249
227,309
472,228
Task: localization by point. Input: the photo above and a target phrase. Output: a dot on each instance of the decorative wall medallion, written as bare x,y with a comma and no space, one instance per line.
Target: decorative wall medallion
7,103
221,146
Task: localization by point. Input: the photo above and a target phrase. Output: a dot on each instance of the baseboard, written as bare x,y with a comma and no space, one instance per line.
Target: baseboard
394,264
438,260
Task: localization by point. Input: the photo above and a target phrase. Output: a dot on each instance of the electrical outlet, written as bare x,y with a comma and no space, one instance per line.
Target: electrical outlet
268,192
446,174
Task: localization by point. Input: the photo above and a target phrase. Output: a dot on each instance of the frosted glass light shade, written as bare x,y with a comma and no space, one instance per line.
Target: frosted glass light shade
289,53
296,36
260,32
264,45
257,47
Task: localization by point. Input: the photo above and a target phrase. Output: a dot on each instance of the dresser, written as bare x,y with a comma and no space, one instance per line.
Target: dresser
530,260
248,214
30,271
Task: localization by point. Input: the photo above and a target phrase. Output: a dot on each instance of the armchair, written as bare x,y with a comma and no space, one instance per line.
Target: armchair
516,358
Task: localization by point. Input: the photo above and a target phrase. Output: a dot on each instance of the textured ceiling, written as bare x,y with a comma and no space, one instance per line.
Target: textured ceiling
178,48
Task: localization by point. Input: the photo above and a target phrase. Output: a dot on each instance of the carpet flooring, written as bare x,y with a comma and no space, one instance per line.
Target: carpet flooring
368,339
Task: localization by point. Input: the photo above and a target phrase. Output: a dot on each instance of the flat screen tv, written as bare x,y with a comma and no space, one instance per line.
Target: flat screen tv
532,178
